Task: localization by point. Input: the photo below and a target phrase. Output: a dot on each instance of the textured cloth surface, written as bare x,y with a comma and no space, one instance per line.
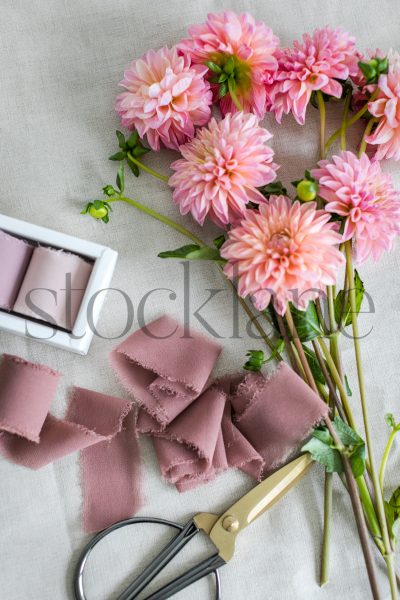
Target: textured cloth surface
61,62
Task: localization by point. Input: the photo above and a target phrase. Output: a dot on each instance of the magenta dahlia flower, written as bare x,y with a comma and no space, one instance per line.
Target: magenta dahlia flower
221,169
316,63
357,190
386,136
242,47
165,98
283,253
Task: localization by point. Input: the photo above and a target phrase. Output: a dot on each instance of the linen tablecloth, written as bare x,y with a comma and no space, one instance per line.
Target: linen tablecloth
61,61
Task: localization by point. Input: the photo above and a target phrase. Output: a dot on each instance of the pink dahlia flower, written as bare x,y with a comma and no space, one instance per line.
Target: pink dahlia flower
251,44
165,98
314,64
283,252
357,190
386,108
221,169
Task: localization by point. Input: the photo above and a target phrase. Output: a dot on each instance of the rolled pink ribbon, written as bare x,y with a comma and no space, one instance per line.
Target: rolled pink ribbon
53,287
15,255
102,427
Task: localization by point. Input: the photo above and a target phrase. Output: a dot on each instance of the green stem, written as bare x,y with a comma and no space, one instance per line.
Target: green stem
370,514
343,126
374,474
338,382
148,170
328,502
367,131
351,121
322,120
159,217
385,456
234,97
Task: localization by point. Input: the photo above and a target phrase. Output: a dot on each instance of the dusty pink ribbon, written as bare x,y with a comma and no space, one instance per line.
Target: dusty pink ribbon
102,427
200,428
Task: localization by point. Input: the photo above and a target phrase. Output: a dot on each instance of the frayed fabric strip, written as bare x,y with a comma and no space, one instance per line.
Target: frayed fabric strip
200,428
102,427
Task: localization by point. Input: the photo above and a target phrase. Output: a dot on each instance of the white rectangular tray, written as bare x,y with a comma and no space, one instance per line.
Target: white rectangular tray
104,259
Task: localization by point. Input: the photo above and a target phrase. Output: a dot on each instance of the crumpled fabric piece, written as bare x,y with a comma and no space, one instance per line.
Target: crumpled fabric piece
200,428
101,426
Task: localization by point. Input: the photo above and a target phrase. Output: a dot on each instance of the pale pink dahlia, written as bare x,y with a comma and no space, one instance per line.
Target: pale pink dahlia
283,252
386,107
165,98
314,64
221,169
249,46
357,190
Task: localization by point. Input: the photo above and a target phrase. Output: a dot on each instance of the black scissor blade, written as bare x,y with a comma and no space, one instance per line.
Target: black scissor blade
207,566
159,562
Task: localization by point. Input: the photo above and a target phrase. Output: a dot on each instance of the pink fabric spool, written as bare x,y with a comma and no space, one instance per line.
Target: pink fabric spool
103,427
15,255
55,283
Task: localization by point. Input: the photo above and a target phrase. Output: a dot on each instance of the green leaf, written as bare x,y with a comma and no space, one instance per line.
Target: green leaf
306,322
193,252
133,167
223,89
133,139
276,189
357,461
121,139
255,361
322,434
342,301
213,66
314,365
117,156
106,219
324,454
389,418
347,435
85,210
348,388
121,178
139,151
219,241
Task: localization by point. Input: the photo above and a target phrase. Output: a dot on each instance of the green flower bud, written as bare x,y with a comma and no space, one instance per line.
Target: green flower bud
98,213
307,190
109,190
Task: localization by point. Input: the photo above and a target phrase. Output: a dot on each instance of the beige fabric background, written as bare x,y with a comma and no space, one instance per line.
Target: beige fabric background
60,63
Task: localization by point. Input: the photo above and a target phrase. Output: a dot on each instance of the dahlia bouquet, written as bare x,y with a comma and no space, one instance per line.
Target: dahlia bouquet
289,256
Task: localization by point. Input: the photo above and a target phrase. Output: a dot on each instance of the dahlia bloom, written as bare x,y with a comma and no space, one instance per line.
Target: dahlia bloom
165,98
386,107
357,190
251,44
314,64
221,169
283,252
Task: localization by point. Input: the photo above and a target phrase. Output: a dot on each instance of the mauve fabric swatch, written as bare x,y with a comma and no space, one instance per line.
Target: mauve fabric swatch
15,255
55,283
102,427
200,428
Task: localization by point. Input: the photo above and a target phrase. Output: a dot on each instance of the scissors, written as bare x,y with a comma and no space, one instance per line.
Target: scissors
222,531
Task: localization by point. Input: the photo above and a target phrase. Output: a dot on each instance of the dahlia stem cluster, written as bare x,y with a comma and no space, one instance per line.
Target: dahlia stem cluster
282,253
